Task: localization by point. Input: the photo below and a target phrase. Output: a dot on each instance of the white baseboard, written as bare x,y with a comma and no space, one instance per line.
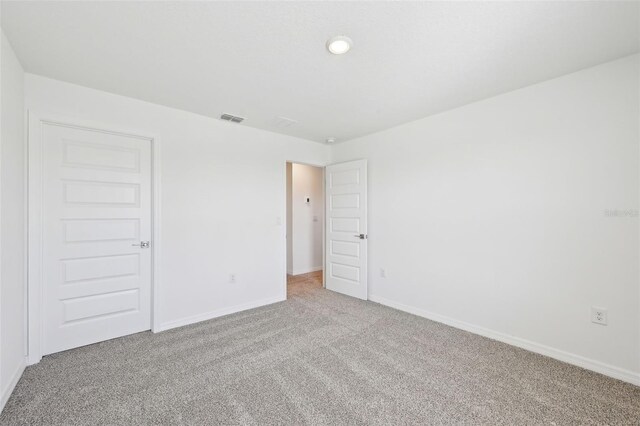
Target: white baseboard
570,358
6,393
218,313
306,271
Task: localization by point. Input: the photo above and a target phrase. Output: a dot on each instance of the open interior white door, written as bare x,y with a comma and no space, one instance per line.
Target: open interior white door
97,227
346,229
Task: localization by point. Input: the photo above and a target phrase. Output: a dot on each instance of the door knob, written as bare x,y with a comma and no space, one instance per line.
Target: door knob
143,244
361,236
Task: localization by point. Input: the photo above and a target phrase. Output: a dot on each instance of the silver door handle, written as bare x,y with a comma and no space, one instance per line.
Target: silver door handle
143,244
361,236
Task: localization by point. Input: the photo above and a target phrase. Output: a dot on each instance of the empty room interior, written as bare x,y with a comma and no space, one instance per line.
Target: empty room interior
319,213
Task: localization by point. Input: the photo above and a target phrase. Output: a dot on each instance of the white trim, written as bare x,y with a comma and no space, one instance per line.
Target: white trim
34,219
25,260
34,234
6,393
219,313
1,396
156,246
570,358
324,229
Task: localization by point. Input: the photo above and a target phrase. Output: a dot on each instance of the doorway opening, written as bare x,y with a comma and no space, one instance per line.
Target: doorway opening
305,228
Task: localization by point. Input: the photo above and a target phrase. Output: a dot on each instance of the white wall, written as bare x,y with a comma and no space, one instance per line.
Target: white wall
493,216
306,219
223,198
12,221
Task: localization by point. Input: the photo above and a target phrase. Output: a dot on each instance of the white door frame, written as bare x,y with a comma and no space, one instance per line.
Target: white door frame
35,233
284,224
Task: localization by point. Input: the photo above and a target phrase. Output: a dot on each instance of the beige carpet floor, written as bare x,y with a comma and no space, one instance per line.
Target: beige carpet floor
318,358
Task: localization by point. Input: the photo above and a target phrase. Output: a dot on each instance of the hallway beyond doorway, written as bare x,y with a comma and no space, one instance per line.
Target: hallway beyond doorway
299,285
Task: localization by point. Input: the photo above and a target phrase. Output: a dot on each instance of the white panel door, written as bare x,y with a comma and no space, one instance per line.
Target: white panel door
96,212
346,229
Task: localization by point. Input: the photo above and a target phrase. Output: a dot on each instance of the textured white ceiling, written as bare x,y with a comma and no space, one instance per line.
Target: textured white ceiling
262,60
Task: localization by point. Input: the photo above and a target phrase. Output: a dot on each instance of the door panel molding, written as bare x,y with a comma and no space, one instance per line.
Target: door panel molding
346,228
35,229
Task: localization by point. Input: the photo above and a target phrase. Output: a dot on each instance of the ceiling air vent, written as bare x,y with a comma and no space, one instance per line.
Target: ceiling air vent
234,118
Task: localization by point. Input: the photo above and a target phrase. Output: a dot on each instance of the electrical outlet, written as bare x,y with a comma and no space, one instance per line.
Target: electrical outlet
232,278
598,315
383,273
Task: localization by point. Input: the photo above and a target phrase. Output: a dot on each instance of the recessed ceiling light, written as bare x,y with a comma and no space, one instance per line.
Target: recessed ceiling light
339,45
331,140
